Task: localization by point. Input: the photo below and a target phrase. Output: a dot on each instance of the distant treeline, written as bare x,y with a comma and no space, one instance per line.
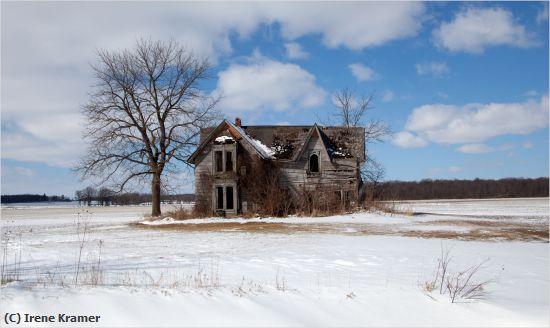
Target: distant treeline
137,198
32,198
390,190
460,189
105,197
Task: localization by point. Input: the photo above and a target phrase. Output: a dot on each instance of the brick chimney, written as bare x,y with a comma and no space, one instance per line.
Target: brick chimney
238,121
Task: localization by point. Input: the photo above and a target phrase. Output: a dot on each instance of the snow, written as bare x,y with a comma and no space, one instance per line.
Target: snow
494,207
339,152
165,276
223,139
264,150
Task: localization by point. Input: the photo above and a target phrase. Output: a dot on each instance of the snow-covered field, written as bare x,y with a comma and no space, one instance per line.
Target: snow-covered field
363,269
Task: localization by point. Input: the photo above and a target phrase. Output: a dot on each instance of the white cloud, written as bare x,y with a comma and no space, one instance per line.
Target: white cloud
432,68
265,84
480,148
542,15
24,171
507,146
294,50
362,72
405,139
476,148
47,48
527,145
531,93
437,171
474,123
387,96
355,25
474,29
455,169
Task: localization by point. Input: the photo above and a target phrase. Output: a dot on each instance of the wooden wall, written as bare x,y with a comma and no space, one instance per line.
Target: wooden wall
341,174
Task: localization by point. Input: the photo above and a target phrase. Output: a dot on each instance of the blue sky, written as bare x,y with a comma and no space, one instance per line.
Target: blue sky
463,86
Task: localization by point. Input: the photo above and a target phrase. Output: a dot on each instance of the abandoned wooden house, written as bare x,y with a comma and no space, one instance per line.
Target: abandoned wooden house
316,160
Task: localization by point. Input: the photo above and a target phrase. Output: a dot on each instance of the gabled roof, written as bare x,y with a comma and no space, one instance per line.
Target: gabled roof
237,133
269,140
314,131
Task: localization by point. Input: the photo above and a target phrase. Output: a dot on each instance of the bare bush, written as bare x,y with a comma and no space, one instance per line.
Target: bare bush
183,213
320,201
10,270
263,188
462,286
81,232
459,285
52,277
248,286
280,282
94,273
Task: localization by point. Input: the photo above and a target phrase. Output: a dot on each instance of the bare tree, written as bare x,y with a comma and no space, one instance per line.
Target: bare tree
86,195
352,111
104,196
373,173
144,114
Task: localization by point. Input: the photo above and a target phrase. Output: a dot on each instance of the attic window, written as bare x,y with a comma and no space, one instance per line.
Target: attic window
314,163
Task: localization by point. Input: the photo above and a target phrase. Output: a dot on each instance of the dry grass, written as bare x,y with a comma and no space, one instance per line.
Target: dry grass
182,213
10,270
461,285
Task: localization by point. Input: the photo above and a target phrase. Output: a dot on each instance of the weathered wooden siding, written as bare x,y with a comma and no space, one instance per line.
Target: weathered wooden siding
339,175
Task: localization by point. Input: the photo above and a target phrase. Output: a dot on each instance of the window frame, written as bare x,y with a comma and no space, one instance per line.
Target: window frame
316,154
224,188
224,149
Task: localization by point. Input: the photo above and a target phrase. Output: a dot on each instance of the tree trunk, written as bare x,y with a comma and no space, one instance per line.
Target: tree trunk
155,194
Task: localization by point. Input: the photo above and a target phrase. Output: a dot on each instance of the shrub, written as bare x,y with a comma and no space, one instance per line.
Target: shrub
459,285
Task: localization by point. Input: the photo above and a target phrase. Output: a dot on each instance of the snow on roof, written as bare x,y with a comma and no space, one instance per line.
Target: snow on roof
264,150
223,139
268,152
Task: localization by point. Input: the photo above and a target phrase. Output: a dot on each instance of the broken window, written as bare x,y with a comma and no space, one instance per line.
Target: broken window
314,163
228,161
229,198
219,198
218,158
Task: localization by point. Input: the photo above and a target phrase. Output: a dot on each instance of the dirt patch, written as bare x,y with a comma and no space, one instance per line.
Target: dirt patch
479,223
480,230
507,234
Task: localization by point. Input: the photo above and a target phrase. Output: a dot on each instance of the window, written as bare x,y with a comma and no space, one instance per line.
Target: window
219,198
228,161
229,198
219,161
224,158
224,195
314,163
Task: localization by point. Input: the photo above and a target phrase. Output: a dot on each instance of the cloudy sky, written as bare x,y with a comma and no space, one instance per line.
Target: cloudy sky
464,86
